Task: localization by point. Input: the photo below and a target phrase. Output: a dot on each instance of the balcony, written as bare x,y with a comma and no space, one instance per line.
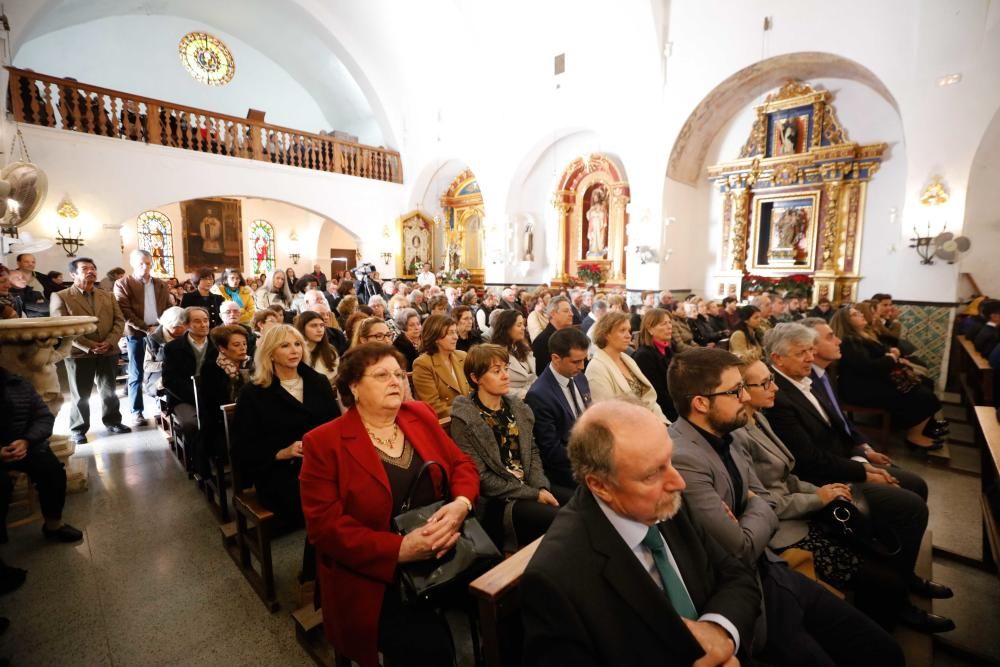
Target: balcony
38,99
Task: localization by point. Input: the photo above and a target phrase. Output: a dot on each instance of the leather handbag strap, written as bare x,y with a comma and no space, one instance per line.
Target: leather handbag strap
445,489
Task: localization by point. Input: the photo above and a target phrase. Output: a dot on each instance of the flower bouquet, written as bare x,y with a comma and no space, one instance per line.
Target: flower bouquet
592,273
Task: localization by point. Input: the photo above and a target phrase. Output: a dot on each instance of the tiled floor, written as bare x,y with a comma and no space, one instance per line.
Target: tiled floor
151,585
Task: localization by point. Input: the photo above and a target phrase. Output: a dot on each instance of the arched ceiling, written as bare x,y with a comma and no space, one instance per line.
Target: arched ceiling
283,31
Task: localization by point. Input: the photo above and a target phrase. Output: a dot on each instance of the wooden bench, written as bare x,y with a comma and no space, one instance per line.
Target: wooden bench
22,507
214,487
988,438
885,420
250,538
163,420
499,608
975,375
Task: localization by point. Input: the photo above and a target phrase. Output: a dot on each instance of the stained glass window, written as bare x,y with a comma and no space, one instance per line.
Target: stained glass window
156,235
207,59
261,247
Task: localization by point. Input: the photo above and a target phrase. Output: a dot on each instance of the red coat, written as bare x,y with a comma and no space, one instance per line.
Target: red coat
347,504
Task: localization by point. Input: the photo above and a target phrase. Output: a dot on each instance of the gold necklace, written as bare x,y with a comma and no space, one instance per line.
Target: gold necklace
384,444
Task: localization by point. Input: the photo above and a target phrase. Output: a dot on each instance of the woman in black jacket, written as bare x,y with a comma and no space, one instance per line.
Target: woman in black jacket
654,354
408,321
285,400
873,375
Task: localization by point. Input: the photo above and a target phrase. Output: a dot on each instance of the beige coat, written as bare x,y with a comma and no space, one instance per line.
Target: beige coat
434,384
607,381
110,321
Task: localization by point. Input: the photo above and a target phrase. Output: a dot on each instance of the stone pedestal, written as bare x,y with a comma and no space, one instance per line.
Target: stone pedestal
31,348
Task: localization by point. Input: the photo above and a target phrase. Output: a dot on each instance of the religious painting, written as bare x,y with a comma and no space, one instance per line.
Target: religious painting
417,243
213,234
596,217
789,131
261,247
156,236
784,231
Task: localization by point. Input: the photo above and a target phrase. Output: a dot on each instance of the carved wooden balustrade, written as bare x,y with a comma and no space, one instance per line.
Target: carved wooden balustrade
66,104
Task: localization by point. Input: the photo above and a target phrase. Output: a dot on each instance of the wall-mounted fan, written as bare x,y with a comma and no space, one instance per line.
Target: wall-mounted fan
948,247
23,187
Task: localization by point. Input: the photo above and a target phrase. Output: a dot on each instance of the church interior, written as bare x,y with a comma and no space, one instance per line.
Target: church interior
683,148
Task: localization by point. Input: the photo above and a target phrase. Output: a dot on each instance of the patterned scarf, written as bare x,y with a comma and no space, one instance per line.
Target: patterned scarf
231,368
507,435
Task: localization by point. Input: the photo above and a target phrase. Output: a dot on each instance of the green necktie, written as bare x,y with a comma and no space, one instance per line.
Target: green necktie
672,583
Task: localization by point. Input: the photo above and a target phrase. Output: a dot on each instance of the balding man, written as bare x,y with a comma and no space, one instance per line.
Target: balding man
646,586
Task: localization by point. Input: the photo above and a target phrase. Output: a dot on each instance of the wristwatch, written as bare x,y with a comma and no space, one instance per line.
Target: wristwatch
468,503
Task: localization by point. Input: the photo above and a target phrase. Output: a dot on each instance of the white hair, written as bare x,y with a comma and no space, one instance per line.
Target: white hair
782,337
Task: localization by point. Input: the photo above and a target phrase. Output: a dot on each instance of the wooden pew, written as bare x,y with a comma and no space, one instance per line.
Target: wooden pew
250,538
499,608
975,373
988,438
215,486
885,421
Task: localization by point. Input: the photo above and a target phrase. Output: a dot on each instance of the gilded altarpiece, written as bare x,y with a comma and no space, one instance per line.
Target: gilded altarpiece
591,200
464,232
793,203
416,244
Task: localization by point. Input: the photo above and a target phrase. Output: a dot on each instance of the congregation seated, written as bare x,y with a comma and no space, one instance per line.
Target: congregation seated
468,336
25,427
682,338
11,306
220,383
730,318
558,398
380,443
989,335
872,375
726,497
823,309
234,288
483,312
284,400
264,319
318,354
538,317
653,355
438,375
437,305
509,332
747,339
346,307
231,313
409,343
172,325
351,325
704,331
612,373
626,574
878,582
559,315
274,290
204,297
496,432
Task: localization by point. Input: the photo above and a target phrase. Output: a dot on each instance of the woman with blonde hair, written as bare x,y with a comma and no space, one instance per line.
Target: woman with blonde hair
612,373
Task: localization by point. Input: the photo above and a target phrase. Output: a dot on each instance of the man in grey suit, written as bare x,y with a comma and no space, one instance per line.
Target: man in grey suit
805,623
95,355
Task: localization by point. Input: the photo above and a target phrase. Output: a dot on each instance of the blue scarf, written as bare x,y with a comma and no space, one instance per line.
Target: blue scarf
234,295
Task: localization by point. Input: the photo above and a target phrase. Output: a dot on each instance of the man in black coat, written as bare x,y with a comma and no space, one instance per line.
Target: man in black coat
182,359
560,317
625,576
25,427
989,335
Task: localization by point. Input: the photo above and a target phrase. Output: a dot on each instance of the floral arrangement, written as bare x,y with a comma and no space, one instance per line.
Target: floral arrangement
592,273
798,282
456,276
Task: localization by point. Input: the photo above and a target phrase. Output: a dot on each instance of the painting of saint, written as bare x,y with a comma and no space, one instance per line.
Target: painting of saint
789,135
213,235
417,249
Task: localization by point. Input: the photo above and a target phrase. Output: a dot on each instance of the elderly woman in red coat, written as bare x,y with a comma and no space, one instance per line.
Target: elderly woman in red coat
356,473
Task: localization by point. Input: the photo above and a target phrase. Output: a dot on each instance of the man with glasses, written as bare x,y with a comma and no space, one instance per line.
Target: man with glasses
805,623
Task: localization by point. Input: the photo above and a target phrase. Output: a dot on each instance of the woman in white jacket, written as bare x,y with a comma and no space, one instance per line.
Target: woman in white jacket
612,373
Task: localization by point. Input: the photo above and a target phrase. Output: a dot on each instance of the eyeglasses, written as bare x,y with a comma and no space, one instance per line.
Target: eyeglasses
378,336
735,392
382,376
765,385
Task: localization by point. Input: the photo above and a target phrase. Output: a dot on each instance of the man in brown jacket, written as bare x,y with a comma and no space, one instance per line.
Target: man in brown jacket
142,299
95,355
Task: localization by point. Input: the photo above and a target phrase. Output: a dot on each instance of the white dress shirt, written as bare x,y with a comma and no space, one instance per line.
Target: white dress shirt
569,389
804,385
633,532
426,279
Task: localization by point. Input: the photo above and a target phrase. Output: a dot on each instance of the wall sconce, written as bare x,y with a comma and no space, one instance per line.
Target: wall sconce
70,241
386,258
293,247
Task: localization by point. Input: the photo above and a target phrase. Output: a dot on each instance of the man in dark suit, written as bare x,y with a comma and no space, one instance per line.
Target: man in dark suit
558,398
805,623
183,358
645,585
989,335
508,301
560,317
597,311
828,448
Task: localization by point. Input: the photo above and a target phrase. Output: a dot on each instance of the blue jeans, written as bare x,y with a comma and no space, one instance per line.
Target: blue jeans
136,356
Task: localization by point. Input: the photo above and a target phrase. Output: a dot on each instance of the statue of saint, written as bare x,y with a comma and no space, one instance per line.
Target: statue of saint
791,228
211,234
789,136
597,223
529,242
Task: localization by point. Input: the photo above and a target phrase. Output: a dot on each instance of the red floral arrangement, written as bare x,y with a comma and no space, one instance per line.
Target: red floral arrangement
798,282
591,273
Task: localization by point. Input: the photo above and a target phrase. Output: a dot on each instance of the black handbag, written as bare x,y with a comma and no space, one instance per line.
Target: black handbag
430,581
849,522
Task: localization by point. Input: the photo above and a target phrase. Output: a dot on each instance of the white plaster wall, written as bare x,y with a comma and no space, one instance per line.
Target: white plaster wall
138,54
112,181
982,222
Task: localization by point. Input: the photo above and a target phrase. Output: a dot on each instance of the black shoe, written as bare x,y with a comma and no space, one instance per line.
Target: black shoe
924,621
138,420
936,430
935,445
64,533
119,428
78,438
11,579
926,588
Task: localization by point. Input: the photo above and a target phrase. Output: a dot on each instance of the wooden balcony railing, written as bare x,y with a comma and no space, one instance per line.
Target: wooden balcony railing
66,104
